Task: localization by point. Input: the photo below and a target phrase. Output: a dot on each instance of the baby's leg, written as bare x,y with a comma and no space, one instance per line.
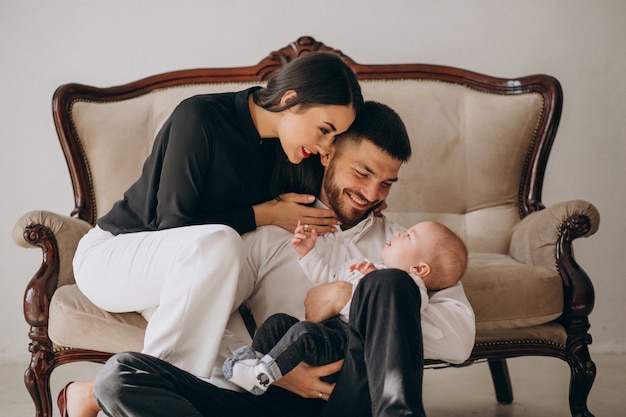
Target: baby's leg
248,367
314,343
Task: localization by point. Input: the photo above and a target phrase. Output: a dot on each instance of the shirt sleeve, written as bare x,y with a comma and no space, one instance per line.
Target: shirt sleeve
185,169
184,165
316,268
353,278
423,292
345,311
448,325
250,267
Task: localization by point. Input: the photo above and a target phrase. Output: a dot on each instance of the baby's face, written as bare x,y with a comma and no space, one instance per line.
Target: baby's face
409,248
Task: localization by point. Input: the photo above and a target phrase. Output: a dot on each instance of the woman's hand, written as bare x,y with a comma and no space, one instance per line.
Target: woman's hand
286,210
326,300
305,381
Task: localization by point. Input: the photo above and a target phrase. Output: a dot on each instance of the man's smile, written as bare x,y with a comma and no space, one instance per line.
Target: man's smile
358,201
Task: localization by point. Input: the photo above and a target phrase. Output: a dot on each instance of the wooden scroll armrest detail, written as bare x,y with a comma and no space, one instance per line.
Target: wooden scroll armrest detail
536,237
58,237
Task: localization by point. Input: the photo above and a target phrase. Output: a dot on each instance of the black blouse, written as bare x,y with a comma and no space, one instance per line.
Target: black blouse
208,165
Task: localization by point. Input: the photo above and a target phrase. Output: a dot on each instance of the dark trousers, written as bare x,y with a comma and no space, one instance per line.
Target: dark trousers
381,376
290,341
384,363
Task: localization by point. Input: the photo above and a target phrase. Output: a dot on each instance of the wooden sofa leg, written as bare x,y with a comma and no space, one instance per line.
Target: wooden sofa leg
501,380
583,374
37,380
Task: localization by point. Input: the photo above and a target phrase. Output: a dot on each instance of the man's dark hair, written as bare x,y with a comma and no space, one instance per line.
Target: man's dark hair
381,125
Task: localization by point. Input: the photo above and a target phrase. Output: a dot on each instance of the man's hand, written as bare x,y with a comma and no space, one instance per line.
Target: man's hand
326,300
305,381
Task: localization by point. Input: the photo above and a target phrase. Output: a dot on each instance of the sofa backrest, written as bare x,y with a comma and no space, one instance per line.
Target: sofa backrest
116,136
469,149
480,143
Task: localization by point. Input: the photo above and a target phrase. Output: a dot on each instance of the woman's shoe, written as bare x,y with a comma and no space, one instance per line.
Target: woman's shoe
62,400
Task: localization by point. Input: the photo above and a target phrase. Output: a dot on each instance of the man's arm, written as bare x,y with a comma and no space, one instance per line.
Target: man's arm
448,326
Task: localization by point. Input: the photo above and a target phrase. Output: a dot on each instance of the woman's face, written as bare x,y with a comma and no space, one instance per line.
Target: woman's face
304,132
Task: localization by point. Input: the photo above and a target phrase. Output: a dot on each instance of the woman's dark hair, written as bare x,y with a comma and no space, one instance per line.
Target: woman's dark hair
318,78
302,178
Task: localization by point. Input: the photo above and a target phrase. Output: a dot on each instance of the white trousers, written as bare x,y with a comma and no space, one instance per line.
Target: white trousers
188,277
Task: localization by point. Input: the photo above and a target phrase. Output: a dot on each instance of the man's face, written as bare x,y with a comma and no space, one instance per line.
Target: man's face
357,178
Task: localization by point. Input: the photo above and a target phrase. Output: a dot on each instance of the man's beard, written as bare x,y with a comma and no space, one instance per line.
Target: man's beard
347,215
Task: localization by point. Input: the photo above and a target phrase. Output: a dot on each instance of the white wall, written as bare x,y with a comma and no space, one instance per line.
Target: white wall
45,44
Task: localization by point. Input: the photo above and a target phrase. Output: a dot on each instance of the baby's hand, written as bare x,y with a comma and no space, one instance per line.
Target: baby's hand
364,267
302,242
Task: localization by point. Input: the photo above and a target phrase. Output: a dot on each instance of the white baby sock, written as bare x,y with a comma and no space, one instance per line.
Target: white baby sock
251,370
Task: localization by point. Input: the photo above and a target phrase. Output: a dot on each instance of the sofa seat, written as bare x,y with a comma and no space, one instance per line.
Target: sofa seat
77,323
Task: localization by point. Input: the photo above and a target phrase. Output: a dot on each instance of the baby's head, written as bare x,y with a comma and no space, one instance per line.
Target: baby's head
429,250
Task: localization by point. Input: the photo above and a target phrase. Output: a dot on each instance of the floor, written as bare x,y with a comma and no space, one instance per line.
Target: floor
540,387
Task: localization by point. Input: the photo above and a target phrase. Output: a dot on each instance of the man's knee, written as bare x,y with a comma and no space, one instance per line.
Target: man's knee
280,321
109,380
386,280
384,288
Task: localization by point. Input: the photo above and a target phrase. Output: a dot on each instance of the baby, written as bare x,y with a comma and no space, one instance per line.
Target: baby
429,252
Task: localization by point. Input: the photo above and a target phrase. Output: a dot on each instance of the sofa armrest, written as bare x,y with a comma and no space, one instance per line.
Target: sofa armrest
545,238
46,229
536,237
58,237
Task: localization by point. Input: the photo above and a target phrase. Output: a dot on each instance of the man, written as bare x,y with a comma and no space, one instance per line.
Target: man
387,340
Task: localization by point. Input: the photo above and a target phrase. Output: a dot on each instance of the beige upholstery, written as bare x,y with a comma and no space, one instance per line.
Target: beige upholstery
480,145
469,148
75,321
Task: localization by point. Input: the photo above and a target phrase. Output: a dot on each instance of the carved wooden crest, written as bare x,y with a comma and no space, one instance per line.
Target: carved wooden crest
305,44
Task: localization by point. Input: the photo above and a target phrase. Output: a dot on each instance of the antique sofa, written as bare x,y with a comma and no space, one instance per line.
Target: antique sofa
481,145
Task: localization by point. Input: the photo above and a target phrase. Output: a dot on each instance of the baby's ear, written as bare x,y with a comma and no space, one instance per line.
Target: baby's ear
422,269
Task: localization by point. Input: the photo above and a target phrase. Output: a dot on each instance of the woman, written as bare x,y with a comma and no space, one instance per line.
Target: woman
171,247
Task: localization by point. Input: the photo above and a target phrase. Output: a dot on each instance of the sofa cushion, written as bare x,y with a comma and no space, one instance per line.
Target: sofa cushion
499,288
76,322
507,294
